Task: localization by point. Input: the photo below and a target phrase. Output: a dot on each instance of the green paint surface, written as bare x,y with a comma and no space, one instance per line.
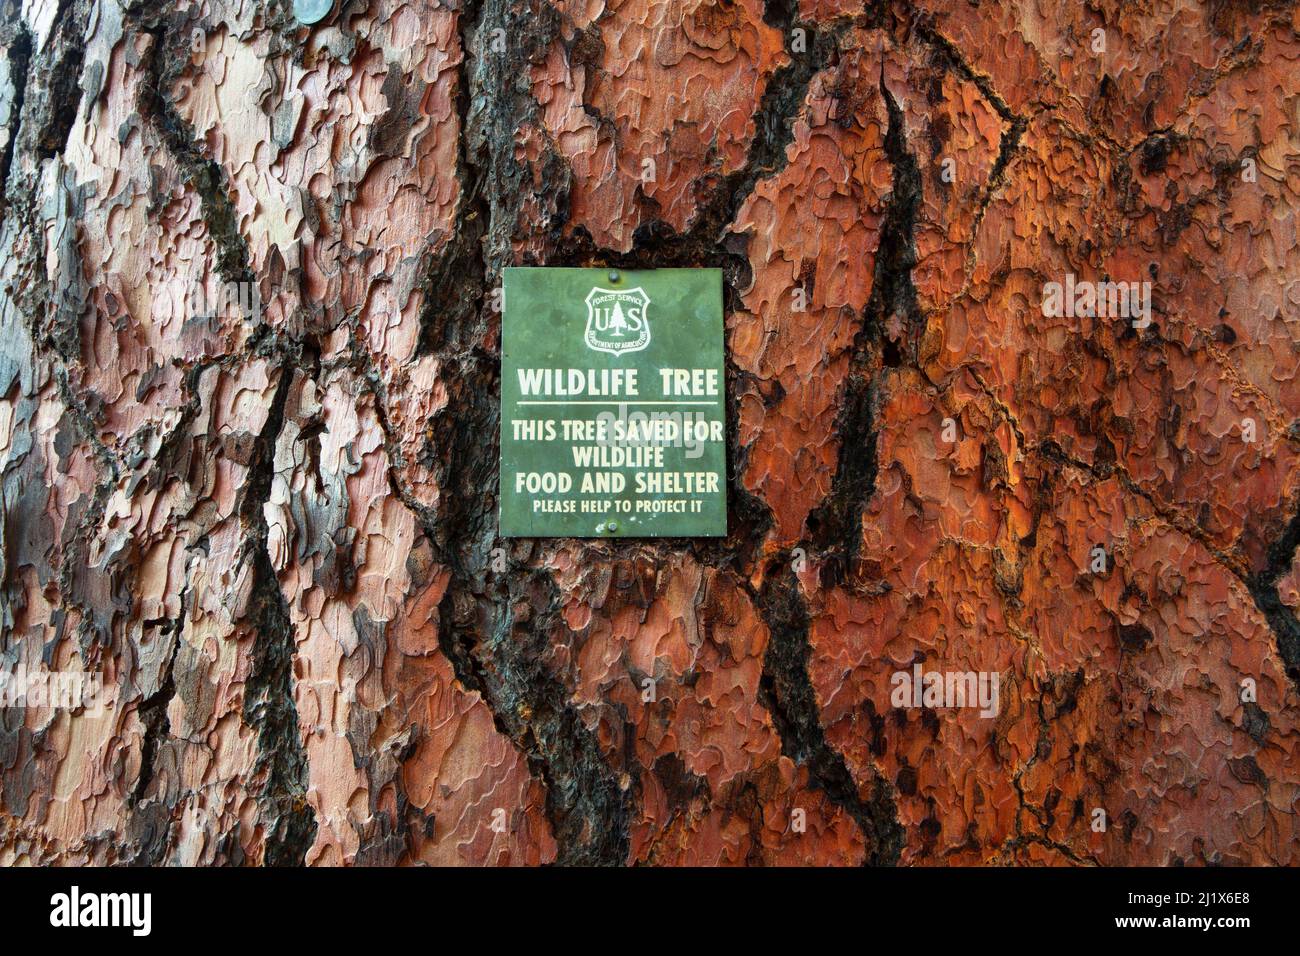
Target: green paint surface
593,329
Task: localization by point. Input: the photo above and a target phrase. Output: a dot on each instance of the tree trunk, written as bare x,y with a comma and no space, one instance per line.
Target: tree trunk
249,402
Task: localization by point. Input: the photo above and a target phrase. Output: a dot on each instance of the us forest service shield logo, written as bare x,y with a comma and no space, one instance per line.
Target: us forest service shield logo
618,320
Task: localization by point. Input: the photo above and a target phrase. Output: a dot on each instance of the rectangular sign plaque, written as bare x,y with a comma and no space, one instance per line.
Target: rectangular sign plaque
613,404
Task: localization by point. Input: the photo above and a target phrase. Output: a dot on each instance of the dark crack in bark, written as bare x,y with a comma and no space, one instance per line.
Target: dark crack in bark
167,59
496,632
1263,588
788,694
18,46
268,707
54,97
835,525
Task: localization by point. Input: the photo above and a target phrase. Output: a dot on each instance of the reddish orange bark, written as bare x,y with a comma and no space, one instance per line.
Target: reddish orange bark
271,532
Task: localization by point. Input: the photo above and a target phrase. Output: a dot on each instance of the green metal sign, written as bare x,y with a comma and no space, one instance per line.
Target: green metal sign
613,404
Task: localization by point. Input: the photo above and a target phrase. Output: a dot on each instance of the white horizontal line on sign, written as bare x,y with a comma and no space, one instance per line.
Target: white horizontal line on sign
616,402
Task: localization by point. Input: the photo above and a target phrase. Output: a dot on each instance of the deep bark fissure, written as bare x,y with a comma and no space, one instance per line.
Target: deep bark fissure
788,693
60,81
492,651
655,245
268,704
151,820
454,287
203,173
835,525
1264,589
20,57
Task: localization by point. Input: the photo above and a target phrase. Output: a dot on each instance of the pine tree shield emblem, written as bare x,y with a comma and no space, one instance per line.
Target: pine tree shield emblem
618,320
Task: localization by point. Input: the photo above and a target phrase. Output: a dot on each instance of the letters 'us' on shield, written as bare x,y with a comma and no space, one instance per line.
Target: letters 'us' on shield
613,404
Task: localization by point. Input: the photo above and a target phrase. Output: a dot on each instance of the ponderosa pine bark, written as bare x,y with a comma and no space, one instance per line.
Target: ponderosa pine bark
249,376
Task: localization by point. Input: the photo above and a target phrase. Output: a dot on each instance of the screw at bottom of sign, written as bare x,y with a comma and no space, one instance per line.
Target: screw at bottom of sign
613,526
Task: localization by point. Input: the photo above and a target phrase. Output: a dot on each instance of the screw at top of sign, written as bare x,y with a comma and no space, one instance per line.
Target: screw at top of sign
613,275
